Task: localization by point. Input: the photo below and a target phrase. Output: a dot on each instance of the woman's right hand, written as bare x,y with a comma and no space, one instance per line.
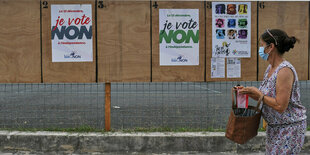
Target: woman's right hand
253,92
237,87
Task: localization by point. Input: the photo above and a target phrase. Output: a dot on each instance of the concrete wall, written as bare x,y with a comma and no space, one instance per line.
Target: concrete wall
81,143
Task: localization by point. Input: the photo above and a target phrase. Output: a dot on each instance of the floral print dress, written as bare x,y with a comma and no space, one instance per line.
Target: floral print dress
286,131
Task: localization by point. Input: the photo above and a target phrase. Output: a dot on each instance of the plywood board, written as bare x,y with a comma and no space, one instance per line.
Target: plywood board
177,73
248,65
65,71
124,50
293,18
20,57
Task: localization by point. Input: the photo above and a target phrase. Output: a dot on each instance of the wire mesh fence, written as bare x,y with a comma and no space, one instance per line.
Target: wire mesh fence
204,105
172,105
51,105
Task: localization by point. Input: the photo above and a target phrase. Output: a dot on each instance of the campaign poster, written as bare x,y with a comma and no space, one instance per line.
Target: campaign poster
231,29
179,37
71,31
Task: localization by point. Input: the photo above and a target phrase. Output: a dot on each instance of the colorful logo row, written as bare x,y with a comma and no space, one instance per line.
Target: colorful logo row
231,9
231,23
231,34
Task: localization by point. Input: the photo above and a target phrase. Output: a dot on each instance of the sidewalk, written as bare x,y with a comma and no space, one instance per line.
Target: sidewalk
154,143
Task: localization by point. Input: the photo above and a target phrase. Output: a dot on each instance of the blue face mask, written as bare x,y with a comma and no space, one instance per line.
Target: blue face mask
262,54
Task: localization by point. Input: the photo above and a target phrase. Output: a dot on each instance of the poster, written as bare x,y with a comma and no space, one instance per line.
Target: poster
231,29
178,37
233,68
217,67
71,30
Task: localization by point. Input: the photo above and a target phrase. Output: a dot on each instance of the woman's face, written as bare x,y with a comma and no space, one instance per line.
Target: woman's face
263,44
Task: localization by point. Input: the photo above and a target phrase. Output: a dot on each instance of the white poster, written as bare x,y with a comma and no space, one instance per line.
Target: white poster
233,68
217,67
231,29
71,30
179,37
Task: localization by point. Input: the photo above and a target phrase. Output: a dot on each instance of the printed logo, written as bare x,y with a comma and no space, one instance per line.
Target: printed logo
179,59
232,34
231,23
73,55
231,9
242,23
224,50
242,34
220,23
243,9
234,52
220,33
220,9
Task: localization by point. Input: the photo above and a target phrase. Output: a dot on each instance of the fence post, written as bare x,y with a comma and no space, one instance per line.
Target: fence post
107,106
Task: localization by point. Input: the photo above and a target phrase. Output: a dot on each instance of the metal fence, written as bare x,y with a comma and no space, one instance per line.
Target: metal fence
51,105
165,104
172,105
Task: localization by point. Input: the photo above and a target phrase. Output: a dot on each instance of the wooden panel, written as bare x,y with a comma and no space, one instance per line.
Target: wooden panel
178,73
293,18
20,41
65,71
124,42
248,65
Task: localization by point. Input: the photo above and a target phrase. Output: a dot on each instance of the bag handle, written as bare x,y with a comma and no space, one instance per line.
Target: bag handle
260,100
234,91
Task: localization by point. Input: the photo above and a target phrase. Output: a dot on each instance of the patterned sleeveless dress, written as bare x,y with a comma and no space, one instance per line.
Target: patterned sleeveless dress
286,131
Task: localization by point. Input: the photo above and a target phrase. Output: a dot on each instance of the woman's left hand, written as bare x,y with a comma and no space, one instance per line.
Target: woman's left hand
253,92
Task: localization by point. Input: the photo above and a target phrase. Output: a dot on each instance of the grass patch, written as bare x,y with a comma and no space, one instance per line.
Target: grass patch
167,129
85,128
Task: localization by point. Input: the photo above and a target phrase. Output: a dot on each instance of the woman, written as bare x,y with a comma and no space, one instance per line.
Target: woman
280,94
